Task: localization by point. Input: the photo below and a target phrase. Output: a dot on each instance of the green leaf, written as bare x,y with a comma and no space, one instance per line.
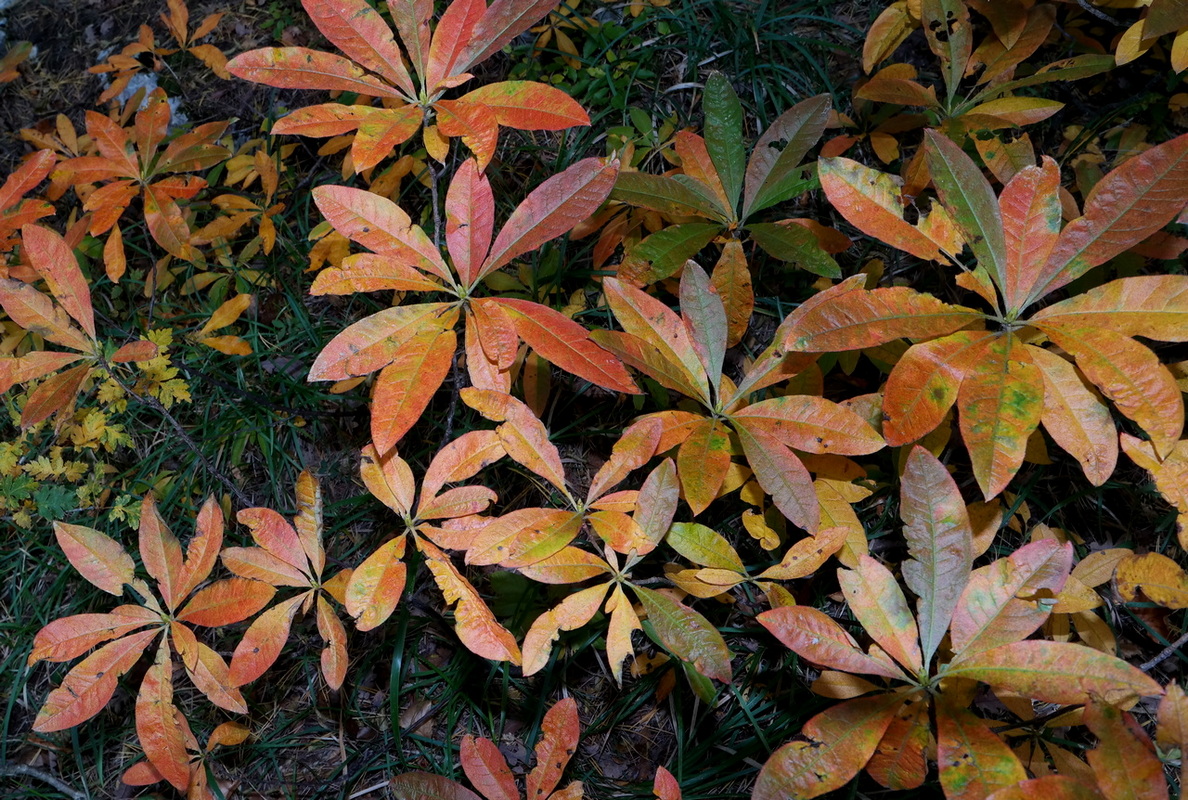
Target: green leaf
967,194
947,29
667,250
940,541
54,502
662,193
724,134
687,634
704,546
1069,69
773,173
795,244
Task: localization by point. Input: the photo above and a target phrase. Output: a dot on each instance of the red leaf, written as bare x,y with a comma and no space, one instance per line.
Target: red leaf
552,209
528,106
359,31
54,261
302,68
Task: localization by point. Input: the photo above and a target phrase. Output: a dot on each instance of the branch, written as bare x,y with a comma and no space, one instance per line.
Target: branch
1165,653
25,771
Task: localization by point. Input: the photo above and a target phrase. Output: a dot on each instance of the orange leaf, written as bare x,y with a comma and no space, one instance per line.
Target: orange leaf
70,637
877,601
552,209
1001,601
88,687
1049,787
376,585
450,40
97,557
167,224
32,365
260,565
570,614
470,218
487,769
1030,205
524,437
528,106
816,637
1124,761
1001,402
302,68
732,280
461,459
418,785
803,558
156,723
1056,672
1126,206
838,743
523,537
973,760
702,461
810,424
376,341
203,550
36,313
560,732
924,382
646,318
405,387
380,225
782,475
226,602
899,762
1131,376
1151,306
1076,417
273,532
334,655
210,675
563,342
54,261
53,394
870,200
665,786
308,521
476,625
853,319
263,641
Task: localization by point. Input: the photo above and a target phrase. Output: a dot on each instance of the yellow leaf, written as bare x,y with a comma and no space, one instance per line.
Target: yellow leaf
227,313
1130,46
1158,577
229,345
